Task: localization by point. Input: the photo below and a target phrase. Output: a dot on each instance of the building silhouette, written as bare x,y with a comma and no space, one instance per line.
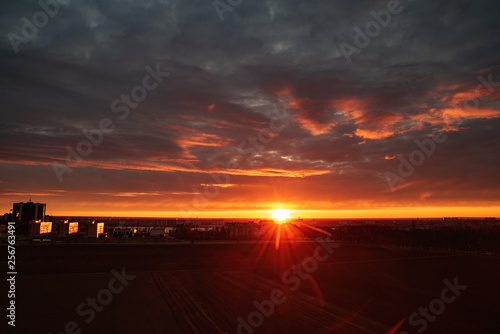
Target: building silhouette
28,211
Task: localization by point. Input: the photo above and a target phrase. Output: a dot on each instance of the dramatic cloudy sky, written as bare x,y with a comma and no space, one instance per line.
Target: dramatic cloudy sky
345,126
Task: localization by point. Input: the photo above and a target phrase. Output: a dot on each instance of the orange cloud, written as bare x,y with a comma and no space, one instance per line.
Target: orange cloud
374,134
310,113
314,128
222,185
202,139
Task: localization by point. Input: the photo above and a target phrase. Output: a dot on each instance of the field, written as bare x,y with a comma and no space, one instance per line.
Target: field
212,288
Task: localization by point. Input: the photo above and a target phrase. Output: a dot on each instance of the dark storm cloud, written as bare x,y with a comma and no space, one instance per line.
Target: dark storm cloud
228,78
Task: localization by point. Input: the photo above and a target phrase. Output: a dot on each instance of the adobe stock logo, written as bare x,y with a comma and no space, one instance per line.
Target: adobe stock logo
120,106
293,278
29,30
103,298
427,146
221,7
372,29
251,146
416,158
437,306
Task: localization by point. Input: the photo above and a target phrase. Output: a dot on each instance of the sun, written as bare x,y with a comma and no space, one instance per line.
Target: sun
281,214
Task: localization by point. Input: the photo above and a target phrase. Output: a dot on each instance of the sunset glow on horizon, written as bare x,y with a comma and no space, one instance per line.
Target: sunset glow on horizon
281,215
380,213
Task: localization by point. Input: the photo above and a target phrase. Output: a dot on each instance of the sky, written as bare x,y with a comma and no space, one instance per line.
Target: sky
232,109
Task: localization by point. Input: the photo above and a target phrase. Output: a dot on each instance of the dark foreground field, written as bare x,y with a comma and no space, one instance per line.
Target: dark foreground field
205,288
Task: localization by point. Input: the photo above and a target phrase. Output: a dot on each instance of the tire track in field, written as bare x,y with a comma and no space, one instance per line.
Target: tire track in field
300,306
198,312
191,314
